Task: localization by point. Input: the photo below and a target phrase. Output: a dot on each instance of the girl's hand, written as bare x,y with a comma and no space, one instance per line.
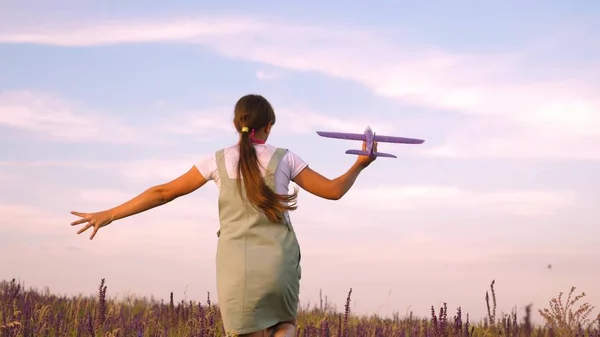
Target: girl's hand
94,220
365,161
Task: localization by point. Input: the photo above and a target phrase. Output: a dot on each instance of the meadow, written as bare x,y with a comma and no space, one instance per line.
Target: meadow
31,312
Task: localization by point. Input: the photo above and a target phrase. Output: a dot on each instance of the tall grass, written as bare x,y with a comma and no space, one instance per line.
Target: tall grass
34,313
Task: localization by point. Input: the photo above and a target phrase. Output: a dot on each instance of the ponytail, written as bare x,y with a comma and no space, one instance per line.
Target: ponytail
259,194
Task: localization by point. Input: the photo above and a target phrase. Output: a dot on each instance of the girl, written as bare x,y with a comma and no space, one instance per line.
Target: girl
258,256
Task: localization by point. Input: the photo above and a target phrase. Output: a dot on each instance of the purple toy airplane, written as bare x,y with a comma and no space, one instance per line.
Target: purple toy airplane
370,137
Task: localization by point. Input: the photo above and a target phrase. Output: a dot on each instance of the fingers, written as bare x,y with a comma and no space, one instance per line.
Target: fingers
94,232
88,226
85,228
84,218
374,157
77,222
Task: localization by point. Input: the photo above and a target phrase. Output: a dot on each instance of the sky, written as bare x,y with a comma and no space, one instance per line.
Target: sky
100,100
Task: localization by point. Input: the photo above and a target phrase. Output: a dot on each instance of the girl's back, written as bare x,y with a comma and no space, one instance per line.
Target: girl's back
289,167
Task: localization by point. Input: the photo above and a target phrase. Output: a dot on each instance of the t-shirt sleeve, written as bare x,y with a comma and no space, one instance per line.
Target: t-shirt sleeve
207,166
295,163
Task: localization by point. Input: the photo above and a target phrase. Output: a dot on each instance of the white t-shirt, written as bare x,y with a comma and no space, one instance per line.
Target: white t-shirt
291,165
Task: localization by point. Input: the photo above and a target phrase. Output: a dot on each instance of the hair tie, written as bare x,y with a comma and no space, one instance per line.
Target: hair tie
245,129
254,140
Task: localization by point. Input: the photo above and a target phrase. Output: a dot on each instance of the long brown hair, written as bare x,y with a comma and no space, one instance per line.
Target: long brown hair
255,112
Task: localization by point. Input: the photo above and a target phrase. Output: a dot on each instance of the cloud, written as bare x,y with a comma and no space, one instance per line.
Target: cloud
157,170
390,198
138,171
293,118
266,75
140,31
555,117
178,229
465,144
56,118
60,163
517,202
558,119
451,198
6,176
300,119
173,229
31,219
202,125
52,117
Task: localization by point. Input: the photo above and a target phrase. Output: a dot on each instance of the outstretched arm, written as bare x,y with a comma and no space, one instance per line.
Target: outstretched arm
335,189
152,197
159,195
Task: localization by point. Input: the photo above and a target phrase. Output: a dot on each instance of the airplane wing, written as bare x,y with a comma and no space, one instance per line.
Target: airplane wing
342,135
390,139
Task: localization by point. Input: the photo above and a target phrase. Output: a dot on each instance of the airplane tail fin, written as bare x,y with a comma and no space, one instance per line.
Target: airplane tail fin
381,154
365,153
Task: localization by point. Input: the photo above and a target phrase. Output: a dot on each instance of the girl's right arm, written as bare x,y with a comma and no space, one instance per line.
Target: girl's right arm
159,195
151,198
335,189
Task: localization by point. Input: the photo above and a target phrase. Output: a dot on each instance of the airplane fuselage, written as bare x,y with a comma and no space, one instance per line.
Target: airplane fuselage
370,136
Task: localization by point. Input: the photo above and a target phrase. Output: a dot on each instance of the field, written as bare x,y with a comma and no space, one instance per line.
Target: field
30,312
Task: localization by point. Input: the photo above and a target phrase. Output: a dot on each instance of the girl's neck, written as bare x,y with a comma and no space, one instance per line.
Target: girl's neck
260,139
